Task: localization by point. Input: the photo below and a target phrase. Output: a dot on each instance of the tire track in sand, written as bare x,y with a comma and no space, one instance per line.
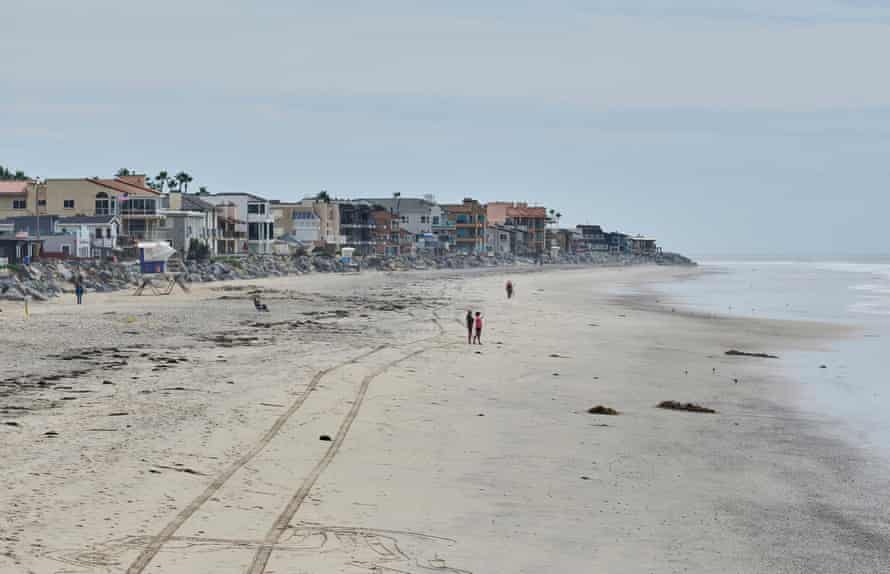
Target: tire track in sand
158,541
264,552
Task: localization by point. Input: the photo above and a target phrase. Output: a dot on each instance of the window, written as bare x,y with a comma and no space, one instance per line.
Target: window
99,233
256,208
136,206
424,219
20,204
68,204
103,204
404,219
41,203
435,220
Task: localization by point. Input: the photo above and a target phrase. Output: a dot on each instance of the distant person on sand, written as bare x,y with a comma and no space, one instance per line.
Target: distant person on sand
478,338
78,289
509,289
469,327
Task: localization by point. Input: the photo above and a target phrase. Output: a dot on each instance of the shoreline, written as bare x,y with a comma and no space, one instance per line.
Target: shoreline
498,433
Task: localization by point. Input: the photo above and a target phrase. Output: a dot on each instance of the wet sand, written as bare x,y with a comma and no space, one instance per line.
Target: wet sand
183,434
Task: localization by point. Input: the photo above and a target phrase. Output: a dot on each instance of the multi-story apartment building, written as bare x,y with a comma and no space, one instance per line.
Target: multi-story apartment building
468,220
357,226
128,197
530,221
256,212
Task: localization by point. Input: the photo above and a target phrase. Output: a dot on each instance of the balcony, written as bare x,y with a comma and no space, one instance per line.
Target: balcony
104,243
139,208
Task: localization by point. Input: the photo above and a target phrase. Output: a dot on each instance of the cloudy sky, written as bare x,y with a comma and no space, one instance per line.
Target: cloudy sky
748,127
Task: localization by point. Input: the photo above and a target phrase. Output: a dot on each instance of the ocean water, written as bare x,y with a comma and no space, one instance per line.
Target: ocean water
854,389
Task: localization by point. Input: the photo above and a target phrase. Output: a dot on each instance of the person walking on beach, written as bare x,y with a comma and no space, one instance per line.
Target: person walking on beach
469,327
78,290
478,324
509,289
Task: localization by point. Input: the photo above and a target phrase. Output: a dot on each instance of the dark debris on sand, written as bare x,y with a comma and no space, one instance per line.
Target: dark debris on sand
689,407
602,410
735,353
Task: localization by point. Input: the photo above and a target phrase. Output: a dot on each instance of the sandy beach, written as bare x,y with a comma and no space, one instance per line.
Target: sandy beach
351,429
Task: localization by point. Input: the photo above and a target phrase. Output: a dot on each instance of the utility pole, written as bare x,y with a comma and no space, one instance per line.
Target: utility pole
37,209
398,196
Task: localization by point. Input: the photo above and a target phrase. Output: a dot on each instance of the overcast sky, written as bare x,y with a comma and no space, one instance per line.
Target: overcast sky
760,126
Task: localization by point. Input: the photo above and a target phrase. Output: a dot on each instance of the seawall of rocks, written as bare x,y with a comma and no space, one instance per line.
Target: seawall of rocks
46,279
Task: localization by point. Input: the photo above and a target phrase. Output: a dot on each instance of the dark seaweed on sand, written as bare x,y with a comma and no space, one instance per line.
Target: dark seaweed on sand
690,407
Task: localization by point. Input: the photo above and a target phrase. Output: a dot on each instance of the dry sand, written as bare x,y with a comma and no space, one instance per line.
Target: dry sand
189,434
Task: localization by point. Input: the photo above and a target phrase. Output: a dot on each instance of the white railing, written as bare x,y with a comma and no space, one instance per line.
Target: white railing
104,243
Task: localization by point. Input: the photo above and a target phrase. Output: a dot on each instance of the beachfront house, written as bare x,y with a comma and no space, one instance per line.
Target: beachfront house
127,197
357,226
189,220
99,231
530,222
16,246
619,242
564,240
386,232
468,219
253,210
297,221
641,245
418,218
231,234
591,238
502,240
17,198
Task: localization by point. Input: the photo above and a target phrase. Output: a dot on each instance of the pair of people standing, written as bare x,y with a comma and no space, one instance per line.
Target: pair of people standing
474,324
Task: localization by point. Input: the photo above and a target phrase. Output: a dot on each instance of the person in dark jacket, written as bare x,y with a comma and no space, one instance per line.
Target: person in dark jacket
78,289
470,325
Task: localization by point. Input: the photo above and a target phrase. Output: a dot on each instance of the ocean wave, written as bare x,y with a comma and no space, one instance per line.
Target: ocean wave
754,263
872,306
881,270
881,289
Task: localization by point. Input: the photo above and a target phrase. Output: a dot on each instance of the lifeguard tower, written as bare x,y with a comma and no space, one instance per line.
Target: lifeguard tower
161,269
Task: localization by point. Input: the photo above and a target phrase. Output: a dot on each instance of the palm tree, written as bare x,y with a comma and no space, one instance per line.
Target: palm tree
172,184
161,178
323,196
123,172
203,190
183,178
558,217
188,180
7,175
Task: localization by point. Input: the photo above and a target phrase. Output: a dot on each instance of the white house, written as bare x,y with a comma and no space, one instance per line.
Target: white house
417,216
97,233
257,212
188,218
306,226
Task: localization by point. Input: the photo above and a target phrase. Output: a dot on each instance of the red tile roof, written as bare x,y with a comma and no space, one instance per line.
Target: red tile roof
14,187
